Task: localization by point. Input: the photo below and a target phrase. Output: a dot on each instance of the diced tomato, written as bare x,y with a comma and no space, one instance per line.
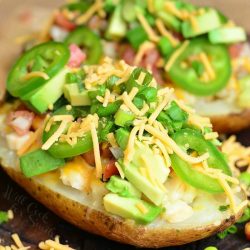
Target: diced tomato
235,50
89,157
77,56
63,22
110,169
20,121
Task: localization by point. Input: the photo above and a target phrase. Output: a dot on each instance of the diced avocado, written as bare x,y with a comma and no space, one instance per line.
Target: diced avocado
152,192
245,178
143,155
48,94
227,35
129,208
39,162
122,117
129,10
122,137
244,93
117,27
122,187
154,165
206,22
74,96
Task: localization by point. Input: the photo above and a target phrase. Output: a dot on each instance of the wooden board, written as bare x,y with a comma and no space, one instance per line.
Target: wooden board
33,222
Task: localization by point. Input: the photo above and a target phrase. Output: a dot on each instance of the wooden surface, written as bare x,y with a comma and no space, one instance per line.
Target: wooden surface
33,222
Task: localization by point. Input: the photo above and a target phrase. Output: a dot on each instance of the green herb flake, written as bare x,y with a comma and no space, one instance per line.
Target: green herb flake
231,230
223,208
3,217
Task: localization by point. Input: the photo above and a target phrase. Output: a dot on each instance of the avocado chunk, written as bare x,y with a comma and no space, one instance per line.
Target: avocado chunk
145,161
227,35
75,96
129,208
206,22
151,191
117,27
122,187
48,94
39,162
244,93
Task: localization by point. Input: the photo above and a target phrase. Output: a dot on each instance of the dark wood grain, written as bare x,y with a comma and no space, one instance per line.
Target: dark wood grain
35,223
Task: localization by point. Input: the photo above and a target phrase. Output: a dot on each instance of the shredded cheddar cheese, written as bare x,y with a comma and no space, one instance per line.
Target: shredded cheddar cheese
141,207
148,29
175,55
33,74
85,17
209,68
160,25
143,49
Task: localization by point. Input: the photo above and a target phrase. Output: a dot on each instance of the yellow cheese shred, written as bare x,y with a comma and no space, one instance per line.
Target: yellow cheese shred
97,155
160,25
33,74
209,68
175,55
141,207
160,107
165,139
148,29
84,18
143,49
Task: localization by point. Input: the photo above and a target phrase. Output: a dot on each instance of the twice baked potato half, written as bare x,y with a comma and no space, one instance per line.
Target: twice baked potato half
107,150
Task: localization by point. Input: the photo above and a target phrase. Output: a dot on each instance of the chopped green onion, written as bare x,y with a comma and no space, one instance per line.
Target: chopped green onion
165,47
223,208
123,118
231,230
198,67
3,217
122,137
149,94
136,37
246,216
245,178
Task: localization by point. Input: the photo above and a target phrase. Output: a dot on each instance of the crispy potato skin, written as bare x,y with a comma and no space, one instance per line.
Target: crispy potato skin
231,123
112,227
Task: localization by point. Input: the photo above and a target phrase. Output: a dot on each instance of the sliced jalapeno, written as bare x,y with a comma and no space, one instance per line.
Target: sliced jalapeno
190,139
49,58
188,78
87,40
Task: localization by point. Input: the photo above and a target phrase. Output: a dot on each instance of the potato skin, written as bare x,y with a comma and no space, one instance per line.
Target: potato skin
112,227
231,123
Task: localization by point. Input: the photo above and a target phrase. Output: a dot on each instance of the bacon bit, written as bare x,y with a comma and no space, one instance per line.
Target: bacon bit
105,152
158,75
77,56
63,22
97,23
20,121
127,54
235,50
110,169
151,58
89,157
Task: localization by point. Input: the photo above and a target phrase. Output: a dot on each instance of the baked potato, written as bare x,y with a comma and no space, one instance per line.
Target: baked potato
108,151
